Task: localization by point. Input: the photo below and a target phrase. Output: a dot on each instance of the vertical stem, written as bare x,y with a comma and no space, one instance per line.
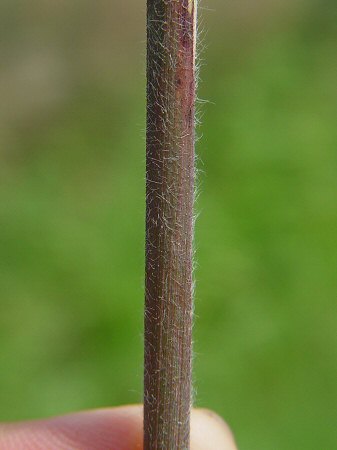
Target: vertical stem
171,37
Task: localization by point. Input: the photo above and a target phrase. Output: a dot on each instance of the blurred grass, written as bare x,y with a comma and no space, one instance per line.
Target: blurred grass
72,216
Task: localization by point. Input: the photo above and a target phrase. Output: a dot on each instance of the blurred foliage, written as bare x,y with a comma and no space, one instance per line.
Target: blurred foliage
72,214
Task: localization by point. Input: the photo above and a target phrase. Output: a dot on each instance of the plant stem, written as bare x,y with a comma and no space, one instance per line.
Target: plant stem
171,37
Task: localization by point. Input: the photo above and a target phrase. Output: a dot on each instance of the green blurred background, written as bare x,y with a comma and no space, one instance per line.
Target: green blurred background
72,119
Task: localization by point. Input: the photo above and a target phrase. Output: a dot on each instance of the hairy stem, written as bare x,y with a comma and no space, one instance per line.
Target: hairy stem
171,37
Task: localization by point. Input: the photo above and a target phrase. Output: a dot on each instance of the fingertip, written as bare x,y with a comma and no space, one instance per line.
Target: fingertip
209,431
115,429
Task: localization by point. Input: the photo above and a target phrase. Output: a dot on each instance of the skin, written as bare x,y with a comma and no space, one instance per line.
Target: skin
108,429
